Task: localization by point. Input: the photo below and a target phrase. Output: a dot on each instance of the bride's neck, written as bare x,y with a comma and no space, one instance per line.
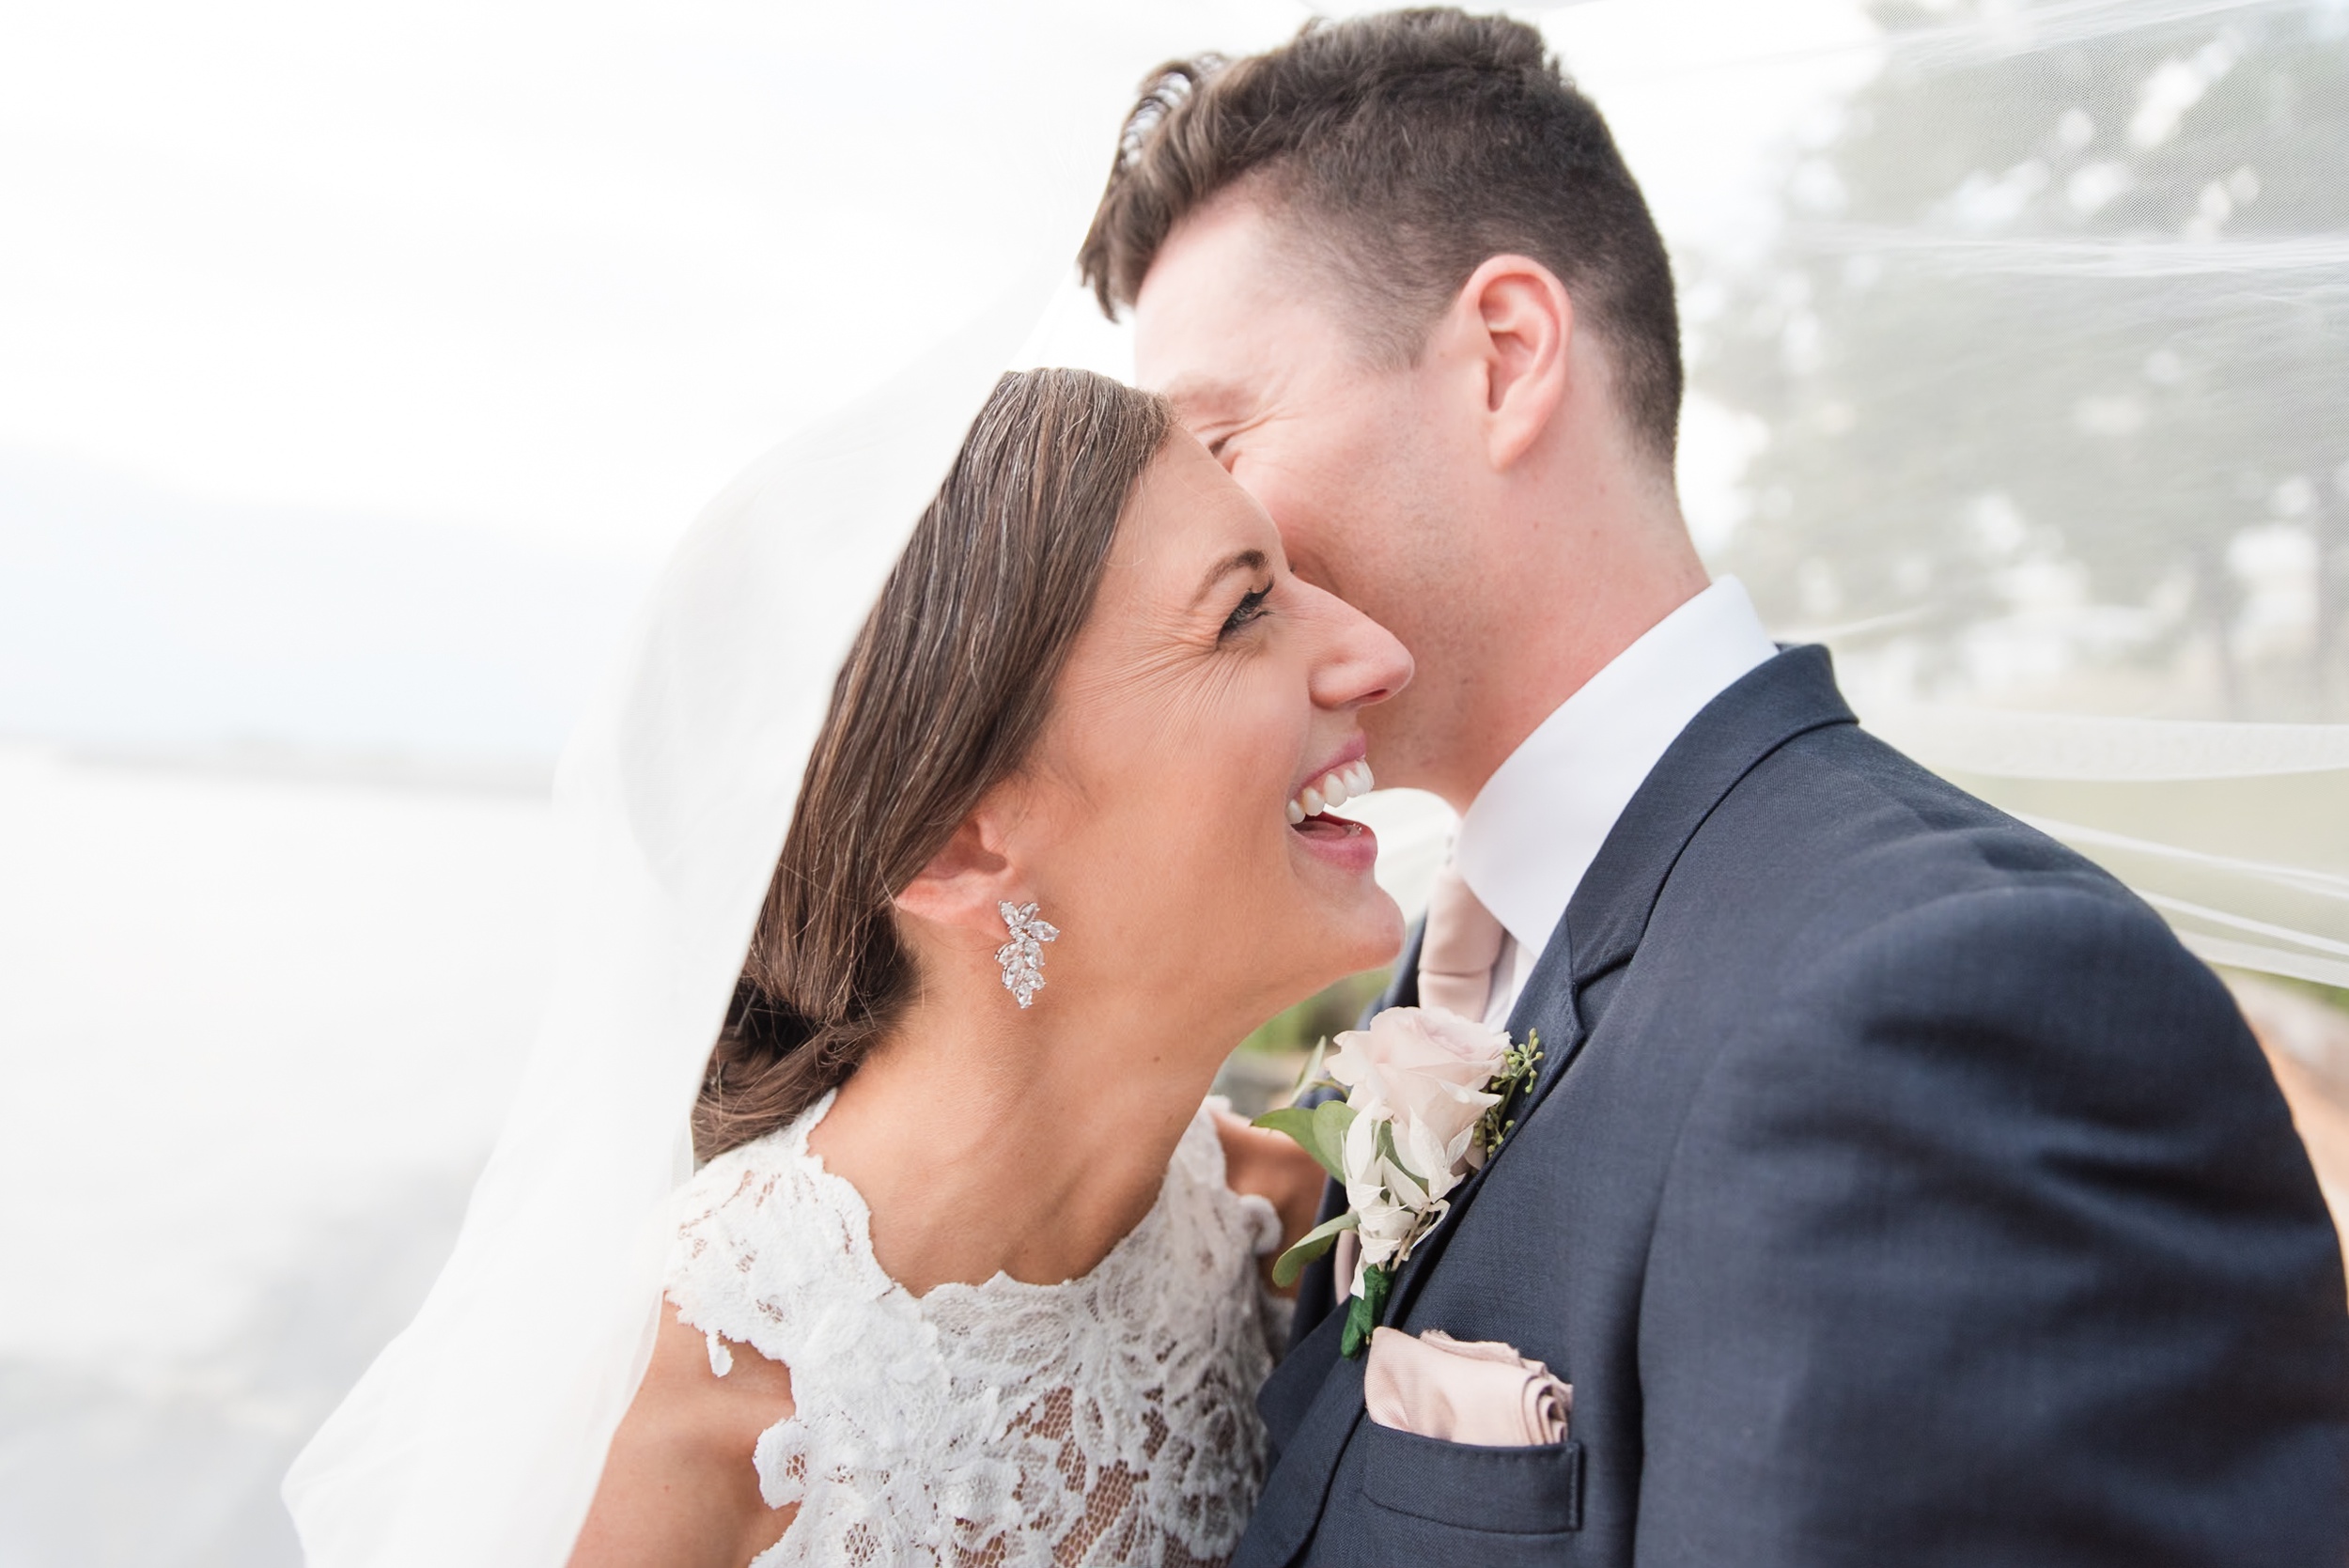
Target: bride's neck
984,1138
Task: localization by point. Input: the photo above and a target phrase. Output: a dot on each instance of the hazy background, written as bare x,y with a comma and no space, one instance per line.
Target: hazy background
358,367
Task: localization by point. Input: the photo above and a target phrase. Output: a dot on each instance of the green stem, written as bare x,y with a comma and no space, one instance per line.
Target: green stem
1363,1311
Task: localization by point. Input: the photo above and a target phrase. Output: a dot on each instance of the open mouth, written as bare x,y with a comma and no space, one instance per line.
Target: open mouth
1312,810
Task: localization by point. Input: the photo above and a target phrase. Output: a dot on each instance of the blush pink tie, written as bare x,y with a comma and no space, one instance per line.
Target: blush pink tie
1462,944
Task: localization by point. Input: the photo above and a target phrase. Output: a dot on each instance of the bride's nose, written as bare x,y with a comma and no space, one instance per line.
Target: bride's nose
1360,661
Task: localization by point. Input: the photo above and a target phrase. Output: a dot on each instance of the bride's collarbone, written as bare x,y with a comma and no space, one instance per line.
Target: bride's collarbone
965,1212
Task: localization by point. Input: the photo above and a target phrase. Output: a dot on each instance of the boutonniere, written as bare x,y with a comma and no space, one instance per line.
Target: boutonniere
1426,1101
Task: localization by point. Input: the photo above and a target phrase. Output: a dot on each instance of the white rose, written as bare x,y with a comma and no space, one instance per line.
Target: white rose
1372,1179
1383,1230
1425,1069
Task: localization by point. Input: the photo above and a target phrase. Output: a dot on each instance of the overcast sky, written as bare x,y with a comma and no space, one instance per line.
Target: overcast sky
359,364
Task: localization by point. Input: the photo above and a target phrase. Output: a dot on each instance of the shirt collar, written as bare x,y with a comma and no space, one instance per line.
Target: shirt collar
1535,828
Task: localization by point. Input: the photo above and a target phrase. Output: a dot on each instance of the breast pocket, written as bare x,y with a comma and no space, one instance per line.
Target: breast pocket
1451,1503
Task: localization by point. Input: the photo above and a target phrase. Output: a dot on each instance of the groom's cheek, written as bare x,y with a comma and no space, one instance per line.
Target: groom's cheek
1290,500
1330,486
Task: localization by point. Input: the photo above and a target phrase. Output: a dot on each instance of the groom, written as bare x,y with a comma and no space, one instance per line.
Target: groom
1895,1189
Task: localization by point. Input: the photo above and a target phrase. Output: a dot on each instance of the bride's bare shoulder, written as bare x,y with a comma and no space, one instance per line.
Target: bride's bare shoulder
680,1490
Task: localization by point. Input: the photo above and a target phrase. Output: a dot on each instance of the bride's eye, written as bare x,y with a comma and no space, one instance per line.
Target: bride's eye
1250,607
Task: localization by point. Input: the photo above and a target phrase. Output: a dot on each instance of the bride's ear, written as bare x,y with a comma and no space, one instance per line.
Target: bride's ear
964,881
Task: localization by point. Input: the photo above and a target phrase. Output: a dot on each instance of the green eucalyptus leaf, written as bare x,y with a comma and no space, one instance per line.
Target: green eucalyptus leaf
1291,1119
1312,1073
1309,1246
1304,1126
1330,1120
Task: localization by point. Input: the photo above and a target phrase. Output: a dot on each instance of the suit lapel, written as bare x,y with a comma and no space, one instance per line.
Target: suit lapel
1778,700
1298,1486
1790,695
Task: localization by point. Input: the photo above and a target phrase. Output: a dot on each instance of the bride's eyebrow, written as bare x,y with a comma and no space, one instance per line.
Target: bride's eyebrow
1254,562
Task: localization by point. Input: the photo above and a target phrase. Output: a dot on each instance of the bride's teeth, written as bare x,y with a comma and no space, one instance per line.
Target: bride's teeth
1332,790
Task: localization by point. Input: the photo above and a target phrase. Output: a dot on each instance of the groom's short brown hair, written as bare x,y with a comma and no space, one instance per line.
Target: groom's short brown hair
1408,147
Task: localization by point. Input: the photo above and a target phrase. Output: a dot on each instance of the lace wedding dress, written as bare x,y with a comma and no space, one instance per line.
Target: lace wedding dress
1109,1419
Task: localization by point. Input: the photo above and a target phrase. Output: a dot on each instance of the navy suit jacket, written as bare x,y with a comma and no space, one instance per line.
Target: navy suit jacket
1896,1190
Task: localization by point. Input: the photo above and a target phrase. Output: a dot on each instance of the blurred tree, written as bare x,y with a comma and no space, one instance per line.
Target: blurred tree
2055,337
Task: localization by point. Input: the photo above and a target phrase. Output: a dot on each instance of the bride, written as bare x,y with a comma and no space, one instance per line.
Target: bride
965,1277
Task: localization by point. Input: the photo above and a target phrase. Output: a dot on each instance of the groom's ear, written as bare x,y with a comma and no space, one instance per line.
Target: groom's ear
1520,325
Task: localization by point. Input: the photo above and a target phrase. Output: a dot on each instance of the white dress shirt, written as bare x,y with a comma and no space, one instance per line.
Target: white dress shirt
1536,825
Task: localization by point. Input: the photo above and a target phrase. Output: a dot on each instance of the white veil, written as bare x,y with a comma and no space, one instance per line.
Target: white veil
477,1438
478,1435
2047,350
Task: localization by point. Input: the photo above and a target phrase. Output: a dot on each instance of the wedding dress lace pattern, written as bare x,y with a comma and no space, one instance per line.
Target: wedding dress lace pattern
1108,1420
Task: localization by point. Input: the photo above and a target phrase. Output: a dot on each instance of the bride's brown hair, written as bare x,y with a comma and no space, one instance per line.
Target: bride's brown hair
943,693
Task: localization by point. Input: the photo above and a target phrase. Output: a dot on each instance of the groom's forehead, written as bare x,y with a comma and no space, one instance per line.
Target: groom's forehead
1228,302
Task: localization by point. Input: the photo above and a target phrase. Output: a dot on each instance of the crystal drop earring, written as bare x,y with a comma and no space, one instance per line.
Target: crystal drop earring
1022,957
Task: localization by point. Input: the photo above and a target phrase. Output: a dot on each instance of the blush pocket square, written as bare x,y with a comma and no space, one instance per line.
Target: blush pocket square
1476,1391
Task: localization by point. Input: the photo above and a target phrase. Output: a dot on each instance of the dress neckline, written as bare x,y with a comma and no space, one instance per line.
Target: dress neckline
1115,1264
1104,1418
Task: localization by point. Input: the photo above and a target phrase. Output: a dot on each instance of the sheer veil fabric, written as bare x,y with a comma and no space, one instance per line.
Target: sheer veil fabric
478,1436
2105,194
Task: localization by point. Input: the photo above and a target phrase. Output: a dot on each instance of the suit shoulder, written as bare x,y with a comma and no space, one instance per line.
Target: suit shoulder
2032,1004
1839,877
2076,942
1857,811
